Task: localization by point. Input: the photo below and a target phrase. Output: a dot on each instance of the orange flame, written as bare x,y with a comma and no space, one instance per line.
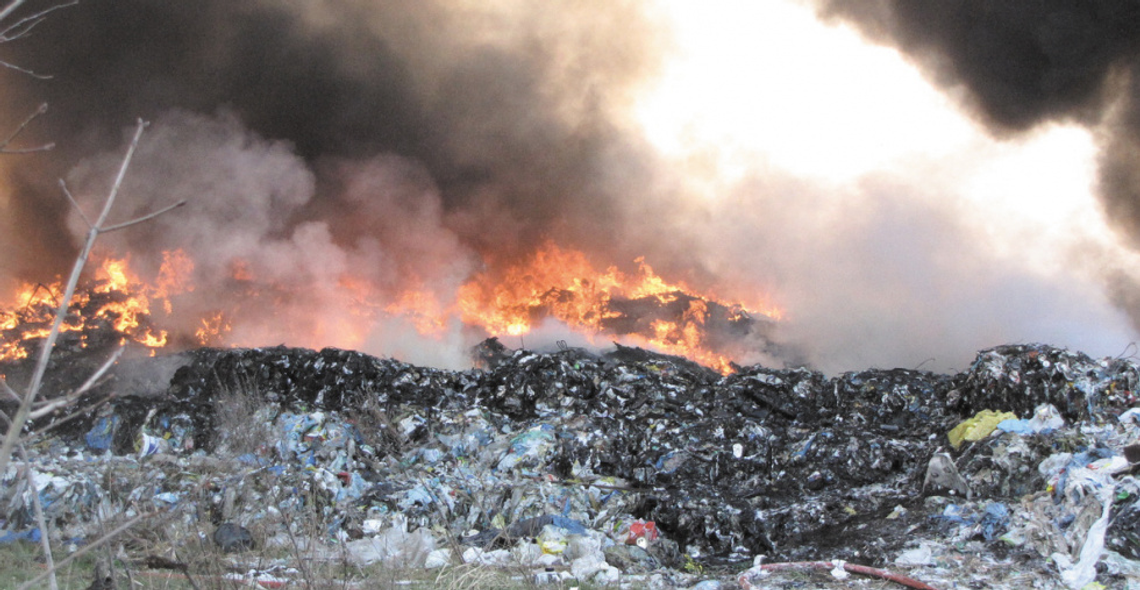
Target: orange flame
116,297
640,306
212,328
563,284
422,308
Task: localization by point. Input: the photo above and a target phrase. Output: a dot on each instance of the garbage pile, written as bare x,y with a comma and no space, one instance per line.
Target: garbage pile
597,466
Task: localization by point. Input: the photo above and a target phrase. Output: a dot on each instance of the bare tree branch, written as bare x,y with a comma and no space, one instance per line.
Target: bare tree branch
39,148
57,403
24,26
12,6
12,66
33,390
27,309
40,521
146,217
19,29
8,389
74,203
80,411
90,382
4,145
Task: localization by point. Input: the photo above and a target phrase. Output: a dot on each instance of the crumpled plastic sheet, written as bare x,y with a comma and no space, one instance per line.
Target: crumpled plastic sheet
761,461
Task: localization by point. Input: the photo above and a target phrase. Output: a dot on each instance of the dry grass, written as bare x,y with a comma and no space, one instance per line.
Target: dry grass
209,569
246,420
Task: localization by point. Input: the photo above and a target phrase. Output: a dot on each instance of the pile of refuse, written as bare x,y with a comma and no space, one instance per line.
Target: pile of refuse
1017,472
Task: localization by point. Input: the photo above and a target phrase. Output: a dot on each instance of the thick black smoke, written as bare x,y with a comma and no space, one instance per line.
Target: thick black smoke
1020,64
408,143
508,107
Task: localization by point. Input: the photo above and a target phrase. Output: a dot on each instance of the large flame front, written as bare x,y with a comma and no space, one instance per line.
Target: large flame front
639,307
642,306
114,301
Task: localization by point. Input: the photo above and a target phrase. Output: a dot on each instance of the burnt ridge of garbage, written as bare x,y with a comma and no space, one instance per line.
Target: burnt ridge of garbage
786,462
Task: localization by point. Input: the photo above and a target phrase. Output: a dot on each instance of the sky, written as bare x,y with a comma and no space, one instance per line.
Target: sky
908,184
898,217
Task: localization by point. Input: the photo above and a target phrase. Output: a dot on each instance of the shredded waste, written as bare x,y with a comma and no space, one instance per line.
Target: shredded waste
621,467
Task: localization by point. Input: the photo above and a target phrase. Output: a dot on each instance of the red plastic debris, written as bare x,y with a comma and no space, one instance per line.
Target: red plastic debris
641,529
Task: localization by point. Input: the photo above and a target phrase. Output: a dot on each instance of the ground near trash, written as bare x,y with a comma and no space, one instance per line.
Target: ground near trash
574,468
22,561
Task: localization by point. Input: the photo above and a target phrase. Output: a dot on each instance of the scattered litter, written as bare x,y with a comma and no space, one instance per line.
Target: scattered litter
600,467
233,538
978,427
942,474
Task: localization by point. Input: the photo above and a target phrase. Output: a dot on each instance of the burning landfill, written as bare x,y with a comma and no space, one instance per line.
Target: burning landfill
626,466
489,193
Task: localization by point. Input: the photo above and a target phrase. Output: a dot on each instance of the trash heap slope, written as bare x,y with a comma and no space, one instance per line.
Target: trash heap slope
786,463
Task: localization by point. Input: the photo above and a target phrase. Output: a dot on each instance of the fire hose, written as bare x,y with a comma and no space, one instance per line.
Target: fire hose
745,578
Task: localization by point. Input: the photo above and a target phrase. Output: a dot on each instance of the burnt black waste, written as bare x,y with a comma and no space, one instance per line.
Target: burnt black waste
785,463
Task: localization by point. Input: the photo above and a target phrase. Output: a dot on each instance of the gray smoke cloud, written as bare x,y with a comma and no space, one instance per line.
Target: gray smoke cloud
887,273
246,194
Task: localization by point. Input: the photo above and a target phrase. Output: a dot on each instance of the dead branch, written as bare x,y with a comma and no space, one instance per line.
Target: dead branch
74,203
45,541
139,220
32,297
20,129
10,8
25,71
33,390
8,389
68,418
25,25
55,404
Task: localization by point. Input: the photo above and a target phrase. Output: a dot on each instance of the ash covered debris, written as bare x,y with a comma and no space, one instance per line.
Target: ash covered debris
549,459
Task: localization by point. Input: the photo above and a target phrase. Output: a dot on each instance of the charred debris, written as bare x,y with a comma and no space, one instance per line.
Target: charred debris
1009,459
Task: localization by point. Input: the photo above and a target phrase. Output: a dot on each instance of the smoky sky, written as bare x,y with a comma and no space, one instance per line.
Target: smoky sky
417,143
1021,64
516,127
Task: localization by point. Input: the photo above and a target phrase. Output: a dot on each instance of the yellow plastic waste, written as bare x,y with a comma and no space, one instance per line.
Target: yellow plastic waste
980,426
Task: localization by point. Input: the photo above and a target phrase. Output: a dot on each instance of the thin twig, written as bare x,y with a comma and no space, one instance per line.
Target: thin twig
21,28
29,22
138,220
87,385
47,147
74,203
8,389
25,71
86,549
45,542
52,405
68,418
20,129
32,297
90,382
10,8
